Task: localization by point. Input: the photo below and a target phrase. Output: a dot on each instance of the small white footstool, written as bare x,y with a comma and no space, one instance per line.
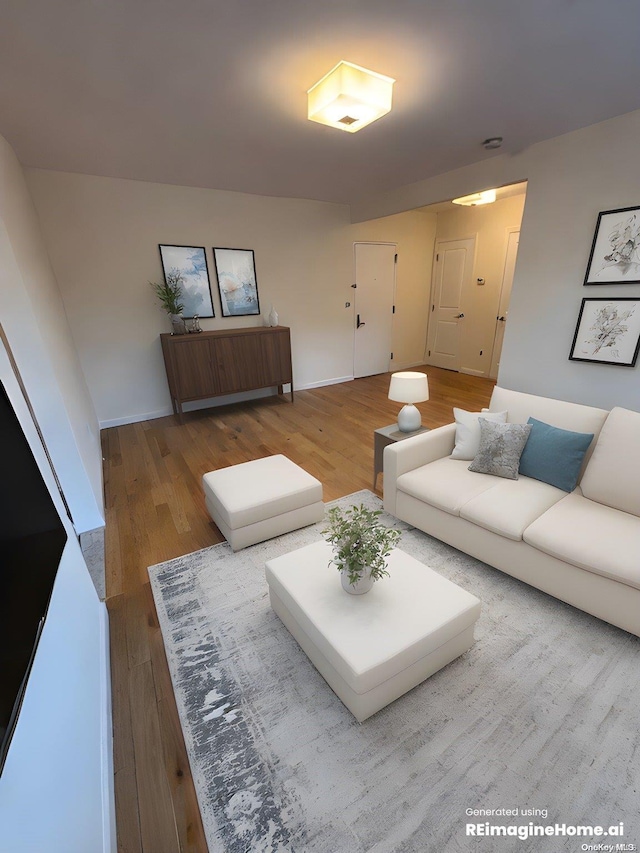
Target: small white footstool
258,500
372,648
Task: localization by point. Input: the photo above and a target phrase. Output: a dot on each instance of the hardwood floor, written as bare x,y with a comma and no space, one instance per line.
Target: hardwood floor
156,511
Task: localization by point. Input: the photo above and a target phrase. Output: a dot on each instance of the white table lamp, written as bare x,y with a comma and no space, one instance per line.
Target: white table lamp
409,387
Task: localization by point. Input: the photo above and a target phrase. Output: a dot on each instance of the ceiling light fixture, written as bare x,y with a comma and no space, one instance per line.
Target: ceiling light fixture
350,97
475,199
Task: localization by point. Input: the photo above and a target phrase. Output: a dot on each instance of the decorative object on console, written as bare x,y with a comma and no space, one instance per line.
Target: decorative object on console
409,387
190,263
554,455
468,431
608,331
170,295
501,447
361,546
273,317
237,282
195,324
615,252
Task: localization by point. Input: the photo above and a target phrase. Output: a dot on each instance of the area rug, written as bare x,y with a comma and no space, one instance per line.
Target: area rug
541,716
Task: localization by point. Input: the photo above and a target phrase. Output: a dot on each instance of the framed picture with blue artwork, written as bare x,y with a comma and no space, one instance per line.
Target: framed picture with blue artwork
615,253
190,263
608,331
237,282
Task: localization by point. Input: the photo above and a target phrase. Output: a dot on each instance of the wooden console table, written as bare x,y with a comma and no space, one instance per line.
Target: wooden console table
212,364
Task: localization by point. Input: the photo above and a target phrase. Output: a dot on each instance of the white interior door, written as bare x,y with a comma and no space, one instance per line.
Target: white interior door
505,296
375,272
453,273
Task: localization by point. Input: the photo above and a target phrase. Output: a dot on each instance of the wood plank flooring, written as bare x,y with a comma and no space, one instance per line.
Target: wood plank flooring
155,511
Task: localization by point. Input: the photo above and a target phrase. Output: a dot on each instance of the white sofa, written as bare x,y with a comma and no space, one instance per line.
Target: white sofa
582,547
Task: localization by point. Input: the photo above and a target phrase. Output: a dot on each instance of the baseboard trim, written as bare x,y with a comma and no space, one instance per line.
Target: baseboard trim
219,401
308,386
406,365
134,419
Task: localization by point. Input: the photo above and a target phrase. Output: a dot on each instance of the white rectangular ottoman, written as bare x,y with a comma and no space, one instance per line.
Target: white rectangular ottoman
371,648
261,499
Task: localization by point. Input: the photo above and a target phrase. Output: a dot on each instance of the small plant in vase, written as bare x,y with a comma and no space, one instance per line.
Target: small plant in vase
361,546
170,295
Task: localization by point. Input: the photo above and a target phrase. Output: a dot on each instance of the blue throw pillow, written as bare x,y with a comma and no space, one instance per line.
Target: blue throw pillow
554,455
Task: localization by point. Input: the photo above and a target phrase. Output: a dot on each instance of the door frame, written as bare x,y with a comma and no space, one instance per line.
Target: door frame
430,324
355,298
509,230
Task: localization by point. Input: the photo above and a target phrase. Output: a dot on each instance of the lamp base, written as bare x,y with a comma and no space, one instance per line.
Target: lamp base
409,419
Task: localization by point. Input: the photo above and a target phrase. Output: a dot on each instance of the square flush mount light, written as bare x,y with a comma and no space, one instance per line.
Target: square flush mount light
475,199
350,97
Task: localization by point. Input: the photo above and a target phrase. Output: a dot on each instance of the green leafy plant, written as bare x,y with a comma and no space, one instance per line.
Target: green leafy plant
360,541
170,292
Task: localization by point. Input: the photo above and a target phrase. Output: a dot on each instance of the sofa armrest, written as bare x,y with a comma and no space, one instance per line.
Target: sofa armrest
412,453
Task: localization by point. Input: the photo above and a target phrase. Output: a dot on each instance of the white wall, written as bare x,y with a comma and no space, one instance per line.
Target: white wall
33,318
102,236
56,788
490,225
570,179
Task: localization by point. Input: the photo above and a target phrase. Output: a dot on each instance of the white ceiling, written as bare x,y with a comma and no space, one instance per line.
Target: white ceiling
212,94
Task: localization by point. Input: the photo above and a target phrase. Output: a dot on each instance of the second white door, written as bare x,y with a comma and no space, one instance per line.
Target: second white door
453,273
375,285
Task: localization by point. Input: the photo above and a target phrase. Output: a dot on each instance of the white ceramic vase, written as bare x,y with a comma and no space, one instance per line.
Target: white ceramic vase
178,326
273,317
362,585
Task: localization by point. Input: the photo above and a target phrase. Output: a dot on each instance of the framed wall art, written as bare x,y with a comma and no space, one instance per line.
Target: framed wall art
191,263
608,331
615,253
237,283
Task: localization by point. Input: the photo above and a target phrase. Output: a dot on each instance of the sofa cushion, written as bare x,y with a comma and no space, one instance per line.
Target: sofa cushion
468,431
554,455
510,507
594,537
501,447
446,484
611,477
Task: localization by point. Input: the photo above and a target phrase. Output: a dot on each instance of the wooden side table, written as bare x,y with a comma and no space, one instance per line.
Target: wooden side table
384,436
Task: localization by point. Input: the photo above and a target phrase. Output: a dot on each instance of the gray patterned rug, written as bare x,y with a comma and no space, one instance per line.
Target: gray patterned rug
543,713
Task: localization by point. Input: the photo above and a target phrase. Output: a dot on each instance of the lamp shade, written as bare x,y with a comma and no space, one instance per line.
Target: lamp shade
350,97
409,387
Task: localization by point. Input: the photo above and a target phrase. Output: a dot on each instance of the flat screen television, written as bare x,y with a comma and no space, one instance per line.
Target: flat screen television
32,538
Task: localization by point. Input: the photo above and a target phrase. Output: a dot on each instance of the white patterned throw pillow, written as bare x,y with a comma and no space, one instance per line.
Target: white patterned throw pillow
501,447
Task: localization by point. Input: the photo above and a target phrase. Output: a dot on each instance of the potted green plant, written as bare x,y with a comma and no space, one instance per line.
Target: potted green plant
170,295
361,545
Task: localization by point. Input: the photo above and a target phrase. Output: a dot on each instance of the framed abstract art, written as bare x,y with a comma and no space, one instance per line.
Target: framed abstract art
237,283
608,331
191,263
615,252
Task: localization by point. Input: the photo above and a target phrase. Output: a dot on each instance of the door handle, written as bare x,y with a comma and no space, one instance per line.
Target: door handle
459,316
502,319
359,322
